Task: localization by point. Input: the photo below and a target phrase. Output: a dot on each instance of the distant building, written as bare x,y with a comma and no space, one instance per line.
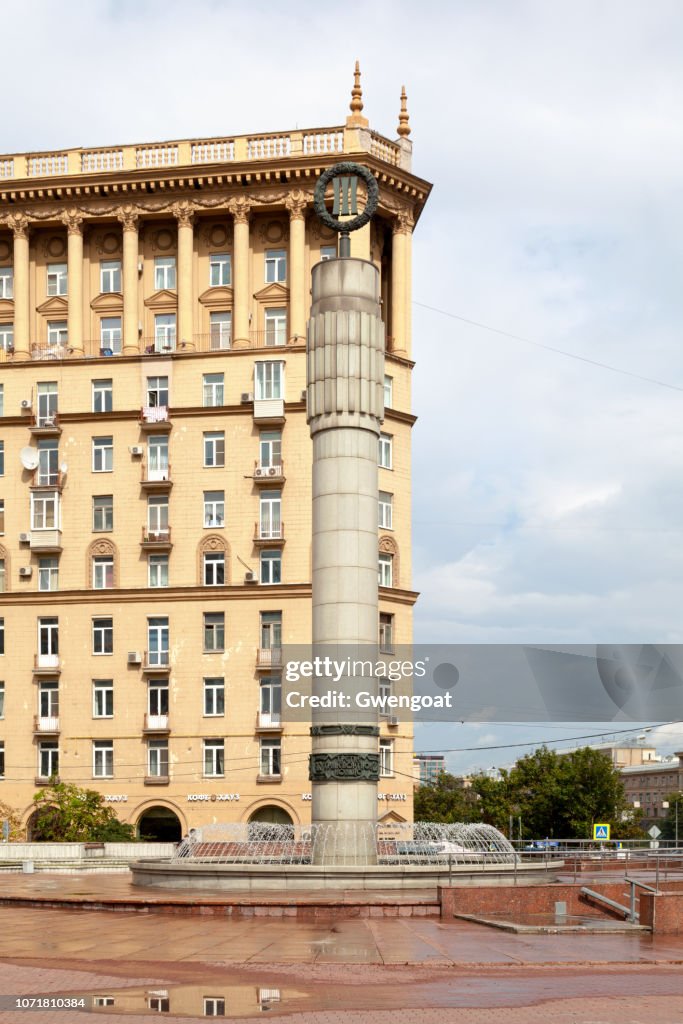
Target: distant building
649,784
428,767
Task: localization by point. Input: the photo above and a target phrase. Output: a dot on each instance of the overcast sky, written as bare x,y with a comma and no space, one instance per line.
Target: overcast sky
548,491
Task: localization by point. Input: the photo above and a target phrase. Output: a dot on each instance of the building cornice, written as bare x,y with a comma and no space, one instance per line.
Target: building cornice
160,597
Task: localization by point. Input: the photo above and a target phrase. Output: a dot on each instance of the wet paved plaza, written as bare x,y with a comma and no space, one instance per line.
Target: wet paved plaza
404,970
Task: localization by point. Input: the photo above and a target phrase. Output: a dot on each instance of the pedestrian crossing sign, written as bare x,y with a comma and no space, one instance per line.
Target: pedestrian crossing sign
601,831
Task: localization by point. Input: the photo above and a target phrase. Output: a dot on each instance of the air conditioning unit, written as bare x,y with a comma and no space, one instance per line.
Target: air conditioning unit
134,658
304,394
141,266
26,403
136,449
24,538
247,396
392,720
273,471
260,471
25,571
250,577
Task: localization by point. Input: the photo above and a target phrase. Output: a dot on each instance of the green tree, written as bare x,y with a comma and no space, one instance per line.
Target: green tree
17,832
668,826
447,800
67,813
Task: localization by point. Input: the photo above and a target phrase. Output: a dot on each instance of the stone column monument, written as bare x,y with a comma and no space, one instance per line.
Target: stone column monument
345,406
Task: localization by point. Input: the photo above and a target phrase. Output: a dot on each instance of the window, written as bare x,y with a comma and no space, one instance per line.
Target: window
276,327
103,636
386,510
214,568
57,333
157,697
270,522
6,282
164,272
2,699
103,698
102,396
157,515
276,265
271,755
3,576
44,511
214,449
157,457
271,566
214,508
161,1004
157,567
2,760
110,276
214,1006
213,390
2,516
48,461
164,332
48,574
157,641
102,513
2,636
157,391
328,252
388,391
102,454
103,759
385,570
48,759
214,758
6,336
103,572
269,378
221,330
56,278
2,399
214,696
386,633
103,1000
270,449
2,458
271,701
219,269
214,631
271,630
110,335
386,758
385,450
385,691
48,399
157,765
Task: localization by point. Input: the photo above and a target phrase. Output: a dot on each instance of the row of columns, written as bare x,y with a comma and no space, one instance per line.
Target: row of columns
240,209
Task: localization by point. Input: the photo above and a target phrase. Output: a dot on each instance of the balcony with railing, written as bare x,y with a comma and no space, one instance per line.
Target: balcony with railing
156,723
156,662
45,541
46,425
156,540
268,532
272,474
269,658
46,664
48,481
46,725
155,418
153,478
202,153
268,721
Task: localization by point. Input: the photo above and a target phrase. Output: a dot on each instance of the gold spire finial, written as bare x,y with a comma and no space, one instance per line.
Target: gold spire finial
403,118
356,119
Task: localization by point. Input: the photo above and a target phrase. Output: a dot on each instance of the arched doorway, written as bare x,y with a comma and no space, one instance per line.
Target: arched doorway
159,825
270,814
30,828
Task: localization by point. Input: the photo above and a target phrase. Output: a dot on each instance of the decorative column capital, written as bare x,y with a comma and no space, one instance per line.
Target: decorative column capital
296,204
184,213
129,217
240,209
404,223
73,220
20,224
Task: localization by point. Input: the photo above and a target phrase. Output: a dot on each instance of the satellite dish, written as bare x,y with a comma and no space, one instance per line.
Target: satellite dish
29,457
64,468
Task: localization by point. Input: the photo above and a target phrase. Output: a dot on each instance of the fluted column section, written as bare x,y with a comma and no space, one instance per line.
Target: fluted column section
399,282
296,204
184,214
240,208
74,225
19,223
129,221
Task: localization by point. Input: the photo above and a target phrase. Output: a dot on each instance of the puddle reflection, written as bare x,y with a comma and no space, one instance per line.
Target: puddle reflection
208,1000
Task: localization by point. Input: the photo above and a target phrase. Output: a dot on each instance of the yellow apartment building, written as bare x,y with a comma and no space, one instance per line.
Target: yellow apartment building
155,487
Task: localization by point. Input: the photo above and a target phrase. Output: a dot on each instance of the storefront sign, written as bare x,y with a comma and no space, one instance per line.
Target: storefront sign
211,797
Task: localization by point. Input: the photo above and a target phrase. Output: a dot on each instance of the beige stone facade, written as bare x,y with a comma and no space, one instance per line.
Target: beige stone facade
156,483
